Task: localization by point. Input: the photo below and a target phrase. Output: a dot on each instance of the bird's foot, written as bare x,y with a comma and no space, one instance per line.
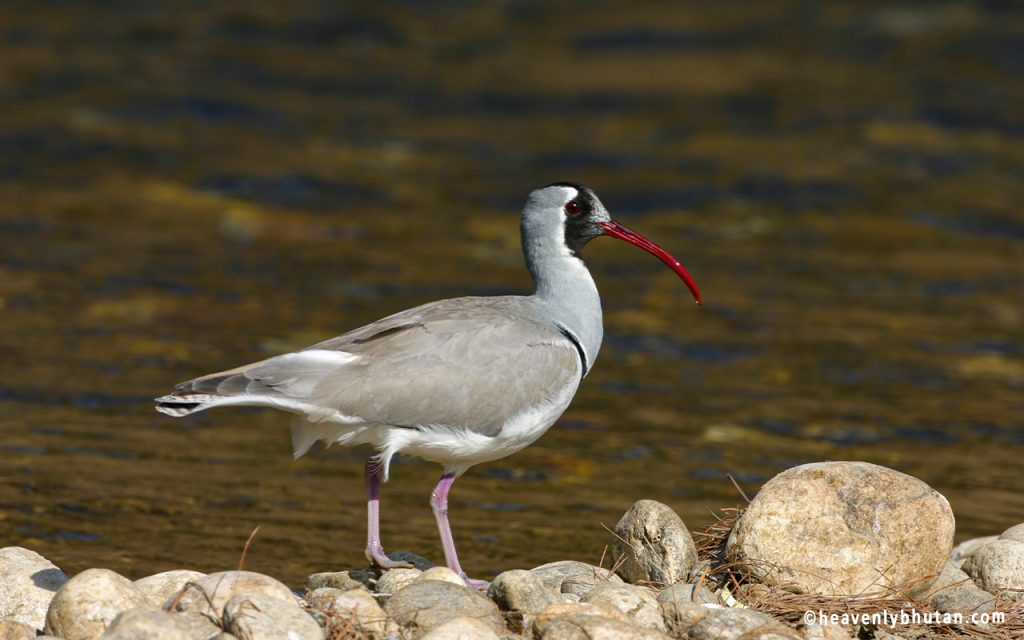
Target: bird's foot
476,585
375,554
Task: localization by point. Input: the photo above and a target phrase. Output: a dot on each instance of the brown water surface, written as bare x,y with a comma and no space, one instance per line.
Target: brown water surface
185,188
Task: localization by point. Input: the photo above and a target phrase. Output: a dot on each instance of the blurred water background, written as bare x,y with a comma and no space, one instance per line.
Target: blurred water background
186,187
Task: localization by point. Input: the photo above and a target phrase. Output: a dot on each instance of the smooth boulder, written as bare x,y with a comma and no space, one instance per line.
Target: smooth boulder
89,602
652,545
421,607
842,528
28,582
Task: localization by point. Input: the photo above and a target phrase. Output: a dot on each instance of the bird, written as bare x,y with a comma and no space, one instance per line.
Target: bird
458,382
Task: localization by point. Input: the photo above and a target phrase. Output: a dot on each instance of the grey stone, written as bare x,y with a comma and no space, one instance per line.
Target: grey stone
963,550
159,588
840,528
209,594
1015,533
732,624
27,584
638,603
652,545
688,592
954,590
145,623
422,607
86,605
522,591
462,628
333,579
258,616
11,629
355,605
998,567
584,627
967,599
572,577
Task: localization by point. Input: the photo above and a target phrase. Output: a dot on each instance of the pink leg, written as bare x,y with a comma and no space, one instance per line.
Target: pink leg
439,503
374,550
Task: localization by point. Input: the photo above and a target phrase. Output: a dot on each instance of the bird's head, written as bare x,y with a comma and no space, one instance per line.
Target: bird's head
572,215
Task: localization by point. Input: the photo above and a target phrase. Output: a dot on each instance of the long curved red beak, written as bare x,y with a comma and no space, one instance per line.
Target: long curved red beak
616,230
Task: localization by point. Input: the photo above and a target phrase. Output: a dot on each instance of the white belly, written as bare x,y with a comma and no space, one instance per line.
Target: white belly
456,448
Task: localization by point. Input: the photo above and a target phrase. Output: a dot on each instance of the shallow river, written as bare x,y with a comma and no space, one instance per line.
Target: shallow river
187,189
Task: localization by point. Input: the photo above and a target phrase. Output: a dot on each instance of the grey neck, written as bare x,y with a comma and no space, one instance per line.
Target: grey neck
566,289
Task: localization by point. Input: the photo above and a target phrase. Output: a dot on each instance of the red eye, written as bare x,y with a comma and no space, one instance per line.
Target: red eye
573,208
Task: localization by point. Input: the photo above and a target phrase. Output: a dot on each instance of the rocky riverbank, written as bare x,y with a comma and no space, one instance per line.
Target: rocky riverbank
834,550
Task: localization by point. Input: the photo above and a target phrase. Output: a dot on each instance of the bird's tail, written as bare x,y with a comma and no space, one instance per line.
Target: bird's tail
231,387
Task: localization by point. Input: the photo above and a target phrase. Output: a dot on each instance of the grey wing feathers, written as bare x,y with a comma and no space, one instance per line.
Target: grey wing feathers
471,362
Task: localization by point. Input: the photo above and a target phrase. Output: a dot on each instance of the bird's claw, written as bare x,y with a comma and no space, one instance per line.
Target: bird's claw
379,559
476,585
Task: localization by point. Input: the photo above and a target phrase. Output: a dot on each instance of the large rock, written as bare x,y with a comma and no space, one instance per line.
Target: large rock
355,605
734,624
638,603
27,584
142,623
652,545
424,606
257,616
86,605
584,627
998,567
572,577
209,594
160,588
841,528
